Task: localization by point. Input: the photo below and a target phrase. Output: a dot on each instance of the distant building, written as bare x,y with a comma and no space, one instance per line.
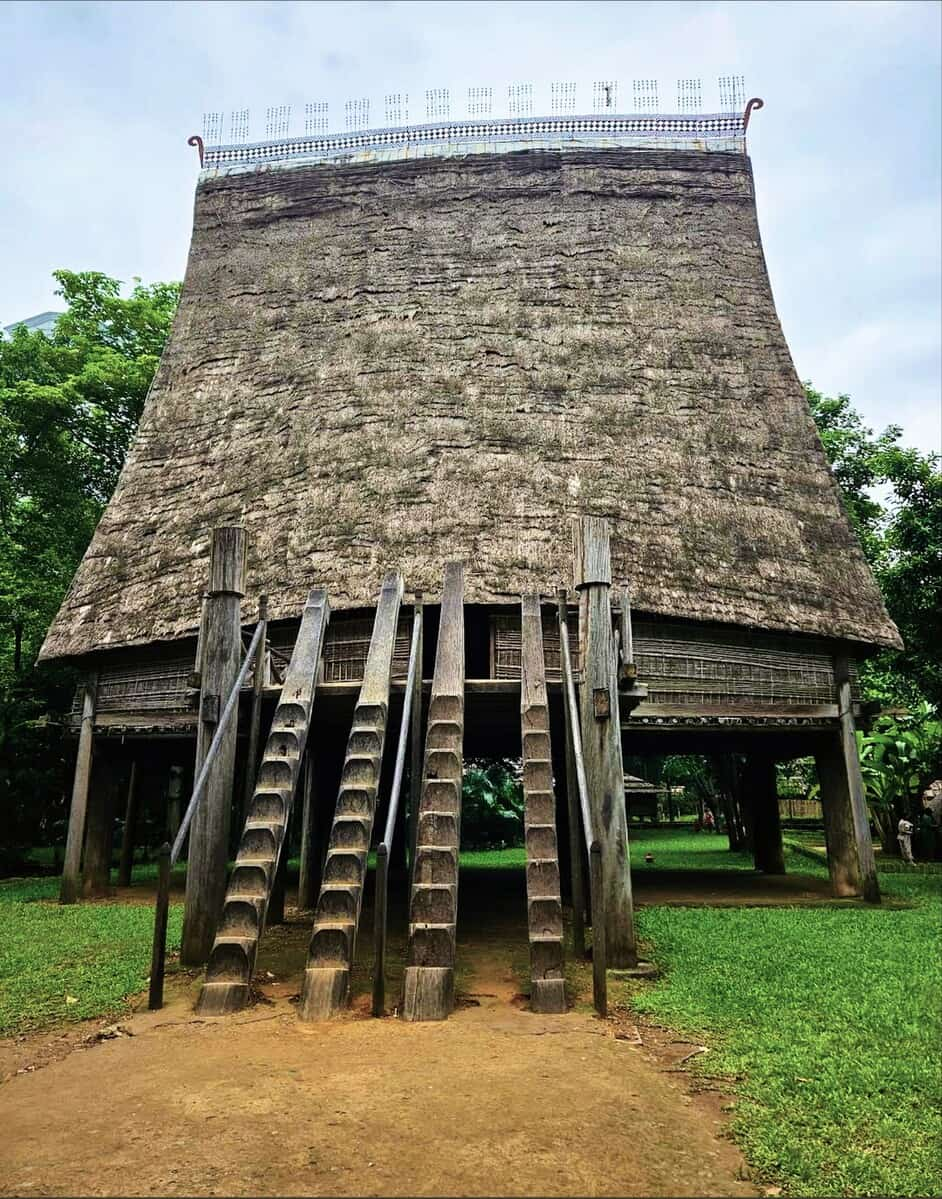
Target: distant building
45,322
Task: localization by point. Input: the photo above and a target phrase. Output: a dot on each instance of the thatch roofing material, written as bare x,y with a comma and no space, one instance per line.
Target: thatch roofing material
398,365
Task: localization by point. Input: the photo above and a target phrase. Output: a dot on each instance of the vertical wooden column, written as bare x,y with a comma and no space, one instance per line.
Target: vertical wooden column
99,829
601,734
255,722
130,828
174,801
75,838
851,860
221,652
415,746
762,789
308,874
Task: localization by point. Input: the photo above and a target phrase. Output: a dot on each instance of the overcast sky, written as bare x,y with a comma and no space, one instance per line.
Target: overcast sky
97,100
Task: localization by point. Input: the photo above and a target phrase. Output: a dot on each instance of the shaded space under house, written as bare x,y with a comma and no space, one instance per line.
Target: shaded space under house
446,372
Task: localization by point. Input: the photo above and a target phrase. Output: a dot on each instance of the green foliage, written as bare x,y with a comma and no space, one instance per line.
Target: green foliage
70,963
69,406
491,805
901,538
828,1021
899,757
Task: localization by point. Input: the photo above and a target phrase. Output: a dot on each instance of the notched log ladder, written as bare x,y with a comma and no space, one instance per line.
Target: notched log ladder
333,941
544,905
429,984
232,960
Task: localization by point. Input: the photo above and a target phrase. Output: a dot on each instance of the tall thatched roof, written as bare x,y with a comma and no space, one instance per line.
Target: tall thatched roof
404,362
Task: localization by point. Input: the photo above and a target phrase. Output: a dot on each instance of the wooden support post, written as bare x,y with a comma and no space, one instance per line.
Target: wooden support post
379,930
601,735
276,905
308,873
255,721
415,748
75,838
158,955
209,832
762,802
130,828
99,830
851,861
174,801
599,947
866,862
576,831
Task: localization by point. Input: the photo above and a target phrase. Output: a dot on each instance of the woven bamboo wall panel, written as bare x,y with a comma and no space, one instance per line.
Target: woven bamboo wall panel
505,645
345,649
683,666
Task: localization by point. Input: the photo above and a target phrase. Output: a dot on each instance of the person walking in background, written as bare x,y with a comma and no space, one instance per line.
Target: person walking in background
904,834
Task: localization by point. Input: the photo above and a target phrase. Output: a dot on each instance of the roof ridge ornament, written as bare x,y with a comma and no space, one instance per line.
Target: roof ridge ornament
755,103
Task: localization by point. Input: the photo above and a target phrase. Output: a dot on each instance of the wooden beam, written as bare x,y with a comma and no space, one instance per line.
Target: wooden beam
221,659
866,862
762,790
253,754
75,839
309,875
415,746
126,863
577,834
99,829
601,735
429,980
851,861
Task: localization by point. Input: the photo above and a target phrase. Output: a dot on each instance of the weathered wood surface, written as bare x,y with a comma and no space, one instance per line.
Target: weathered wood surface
75,838
638,399
415,745
255,717
159,947
851,861
232,960
128,833
544,903
596,886
209,832
601,740
761,787
308,872
326,985
428,987
577,834
384,849
99,829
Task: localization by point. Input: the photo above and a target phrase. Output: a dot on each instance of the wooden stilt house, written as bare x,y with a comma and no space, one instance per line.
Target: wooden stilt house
405,350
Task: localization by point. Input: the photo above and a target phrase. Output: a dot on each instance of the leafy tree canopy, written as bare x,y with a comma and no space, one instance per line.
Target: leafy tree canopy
69,405
893,497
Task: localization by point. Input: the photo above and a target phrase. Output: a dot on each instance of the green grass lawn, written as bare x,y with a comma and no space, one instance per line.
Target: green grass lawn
69,963
824,1021
829,1022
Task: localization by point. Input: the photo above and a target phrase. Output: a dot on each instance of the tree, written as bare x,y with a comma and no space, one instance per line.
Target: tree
901,538
69,406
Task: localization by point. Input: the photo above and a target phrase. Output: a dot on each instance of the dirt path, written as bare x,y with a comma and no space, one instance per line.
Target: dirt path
495,1101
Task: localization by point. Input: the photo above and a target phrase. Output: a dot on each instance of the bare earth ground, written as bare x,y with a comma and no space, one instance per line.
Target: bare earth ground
495,1101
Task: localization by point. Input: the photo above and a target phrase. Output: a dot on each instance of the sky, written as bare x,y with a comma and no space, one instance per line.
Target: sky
97,101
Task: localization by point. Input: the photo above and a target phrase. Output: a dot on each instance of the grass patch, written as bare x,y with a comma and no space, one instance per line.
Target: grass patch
829,1022
94,954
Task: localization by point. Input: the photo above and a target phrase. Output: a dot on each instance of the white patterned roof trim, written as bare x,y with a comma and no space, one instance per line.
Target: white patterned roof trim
720,131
